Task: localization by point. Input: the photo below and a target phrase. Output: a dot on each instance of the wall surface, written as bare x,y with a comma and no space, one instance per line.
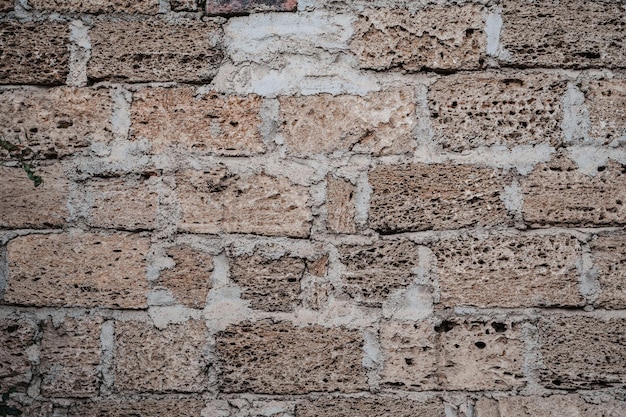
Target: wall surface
329,208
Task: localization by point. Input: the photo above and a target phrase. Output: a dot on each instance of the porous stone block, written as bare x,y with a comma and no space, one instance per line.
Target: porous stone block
172,359
509,271
100,6
153,50
34,53
217,201
211,123
17,336
563,34
435,38
606,102
473,110
609,260
370,406
418,197
236,7
22,205
184,5
70,358
340,204
190,407
555,405
189,281
556,193
78,270
56,122
279,358
6,5
380,123
269,284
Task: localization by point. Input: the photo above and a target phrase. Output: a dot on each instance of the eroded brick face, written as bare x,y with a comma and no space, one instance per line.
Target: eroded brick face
16,337
235,7
191,407
609,258
105,6
378,406
189,281
606,100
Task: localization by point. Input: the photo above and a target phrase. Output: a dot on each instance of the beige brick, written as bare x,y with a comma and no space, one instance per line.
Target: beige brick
606,101
380,123
152,50
148,359
469,111
34,53
190,407
24,206
555,193
17,336
553,406
369,406
6,5
509,271
435,38
70,357
58,121
373,272
217,201
99,6
175,117
78,270
609,260
278,358
340,203
440,196
567,33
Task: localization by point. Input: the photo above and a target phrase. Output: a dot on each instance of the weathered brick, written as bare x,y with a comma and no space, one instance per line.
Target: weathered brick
34,53
606,101
555,193
211,123
184,5
24,206
190,280
567,33
152,50
555,405
70,357
509,271
440,196
370,406
217,201
235,7
30,408
278,358
101,6
340,203
6,5
56,122
435,38
469,111
78,270
379,123
609,259
190,407
148,359
17,336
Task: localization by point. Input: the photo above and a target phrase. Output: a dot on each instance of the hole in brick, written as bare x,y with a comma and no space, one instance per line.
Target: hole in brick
469,32
600,169
456,346
557,382
409,361
11,329
590,55
480,345
445,326
499,327
64,124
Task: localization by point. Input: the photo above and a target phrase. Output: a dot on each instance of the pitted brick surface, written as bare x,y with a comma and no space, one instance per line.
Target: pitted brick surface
101,6
373,406
555,405
609,259
189,281
230,7
340,197
606,101
16,337
140,408
6,5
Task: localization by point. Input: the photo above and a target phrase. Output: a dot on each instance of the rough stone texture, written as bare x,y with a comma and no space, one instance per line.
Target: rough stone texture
56,122
376,406
34,53
217,201
606,101
520,271
435,38
566,34
148,359
469,111
278,358
30,408
373,272
190,407
454,355
553,406
70,355
16,337
235,7
225,125
152,50
184,5
78,270
99,6
609,259
440,196
6,5
556,193
582,352
24,206
380,123
269,284
340,203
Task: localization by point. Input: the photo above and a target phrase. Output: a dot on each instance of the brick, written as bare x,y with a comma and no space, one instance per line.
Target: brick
373,272
148,359
555,193
153,50
269,284
555,405
582,352
458,354
509,271
102,6
184,5
70,358
58,122
30,408
340,203
609,260
142,408
190,280
78,270
380,123
606,101
24,206
370,406
278,358
217,201
34,53
235,7
6,5
175,117
564,34
419,197
17,336
470,111
435,38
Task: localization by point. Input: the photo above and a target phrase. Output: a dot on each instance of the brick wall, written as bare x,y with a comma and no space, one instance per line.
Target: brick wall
322,208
